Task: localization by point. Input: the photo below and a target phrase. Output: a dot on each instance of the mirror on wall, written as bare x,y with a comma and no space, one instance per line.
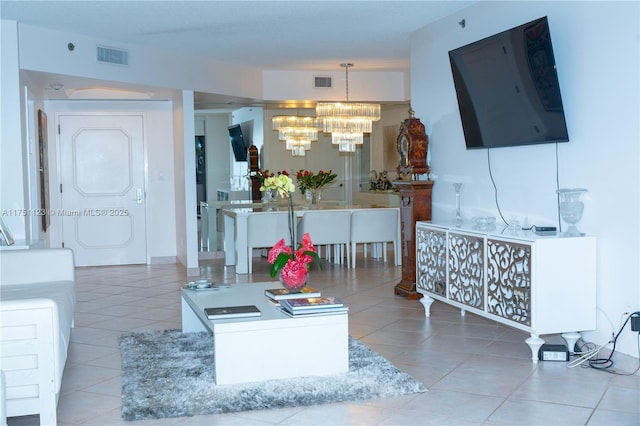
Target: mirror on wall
227,177
221,179
201,172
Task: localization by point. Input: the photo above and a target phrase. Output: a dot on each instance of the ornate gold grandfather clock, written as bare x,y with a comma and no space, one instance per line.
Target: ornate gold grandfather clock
415,197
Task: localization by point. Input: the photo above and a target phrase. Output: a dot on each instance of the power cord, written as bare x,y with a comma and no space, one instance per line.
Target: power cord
591,351
495,190
604,364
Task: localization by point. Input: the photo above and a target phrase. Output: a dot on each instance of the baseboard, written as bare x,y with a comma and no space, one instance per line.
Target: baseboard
163,260
206,255
193,272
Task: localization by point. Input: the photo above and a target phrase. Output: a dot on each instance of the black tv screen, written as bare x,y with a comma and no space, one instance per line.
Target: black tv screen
507,89
237,143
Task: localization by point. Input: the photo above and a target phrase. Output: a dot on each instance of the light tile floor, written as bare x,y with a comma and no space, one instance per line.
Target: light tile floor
478,372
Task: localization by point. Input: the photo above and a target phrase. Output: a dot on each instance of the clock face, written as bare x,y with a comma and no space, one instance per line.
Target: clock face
403,149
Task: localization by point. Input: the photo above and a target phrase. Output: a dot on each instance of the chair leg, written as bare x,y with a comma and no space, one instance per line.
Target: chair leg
353,255
396,259
250,260
338,254
393,244
384,252
347,249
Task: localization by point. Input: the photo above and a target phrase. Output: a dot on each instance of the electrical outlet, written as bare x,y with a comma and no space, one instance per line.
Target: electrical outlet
635,323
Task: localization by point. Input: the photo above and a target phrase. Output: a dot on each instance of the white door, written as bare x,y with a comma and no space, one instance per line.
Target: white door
102,185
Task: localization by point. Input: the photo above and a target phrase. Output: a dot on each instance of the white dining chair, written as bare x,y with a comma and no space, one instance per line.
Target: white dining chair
374,226
264,230
331,229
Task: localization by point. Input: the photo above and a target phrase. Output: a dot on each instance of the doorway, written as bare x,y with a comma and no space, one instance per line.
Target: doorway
102,185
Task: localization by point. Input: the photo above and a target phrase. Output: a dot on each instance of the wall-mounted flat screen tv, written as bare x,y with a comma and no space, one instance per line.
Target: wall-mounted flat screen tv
237,143
507,89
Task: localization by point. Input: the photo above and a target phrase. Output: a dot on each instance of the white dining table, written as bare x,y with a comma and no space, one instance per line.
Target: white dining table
235,229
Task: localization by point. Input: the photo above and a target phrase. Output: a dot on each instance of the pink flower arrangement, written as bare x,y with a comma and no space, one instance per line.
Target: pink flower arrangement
293,267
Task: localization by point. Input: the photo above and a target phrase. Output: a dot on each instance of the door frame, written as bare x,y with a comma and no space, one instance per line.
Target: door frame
56,234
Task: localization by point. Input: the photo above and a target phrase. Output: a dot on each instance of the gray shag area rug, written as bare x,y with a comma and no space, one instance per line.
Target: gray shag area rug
171,374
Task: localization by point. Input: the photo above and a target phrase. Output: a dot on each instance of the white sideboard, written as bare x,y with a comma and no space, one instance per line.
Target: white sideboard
538,284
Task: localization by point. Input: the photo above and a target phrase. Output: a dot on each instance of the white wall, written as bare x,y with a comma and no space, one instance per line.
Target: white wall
380,86
218,151
12,184
184,162
597,57
46,50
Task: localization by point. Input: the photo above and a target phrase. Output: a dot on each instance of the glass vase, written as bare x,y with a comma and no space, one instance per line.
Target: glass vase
269,196
294,284
457,187
313,195
571,208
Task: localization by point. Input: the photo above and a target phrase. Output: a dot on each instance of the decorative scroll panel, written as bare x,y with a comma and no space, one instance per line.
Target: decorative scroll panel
466,270
432,267
102,162
509,280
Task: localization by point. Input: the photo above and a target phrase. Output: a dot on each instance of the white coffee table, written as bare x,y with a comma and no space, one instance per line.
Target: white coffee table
270,346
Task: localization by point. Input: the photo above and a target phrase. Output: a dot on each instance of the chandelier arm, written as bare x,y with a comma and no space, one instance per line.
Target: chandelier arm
346,72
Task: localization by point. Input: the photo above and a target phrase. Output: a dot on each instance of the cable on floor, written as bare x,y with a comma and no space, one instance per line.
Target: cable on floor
588,353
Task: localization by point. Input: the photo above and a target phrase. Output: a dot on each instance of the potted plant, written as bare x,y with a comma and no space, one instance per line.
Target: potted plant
291,264
311,184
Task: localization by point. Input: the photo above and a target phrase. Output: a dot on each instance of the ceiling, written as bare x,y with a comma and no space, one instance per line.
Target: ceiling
270,35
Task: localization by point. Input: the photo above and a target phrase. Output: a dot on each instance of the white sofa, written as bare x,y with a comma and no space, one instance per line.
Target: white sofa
37,302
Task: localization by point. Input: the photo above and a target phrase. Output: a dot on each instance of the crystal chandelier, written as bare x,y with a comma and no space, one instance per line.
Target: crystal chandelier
347,122
297,132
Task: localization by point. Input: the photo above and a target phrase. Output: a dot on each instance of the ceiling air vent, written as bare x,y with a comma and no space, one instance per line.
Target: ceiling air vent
322,82
110,55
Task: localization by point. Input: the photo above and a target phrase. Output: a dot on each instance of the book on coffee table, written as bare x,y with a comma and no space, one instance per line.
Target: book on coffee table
229,312
315,313
283,293
311,304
